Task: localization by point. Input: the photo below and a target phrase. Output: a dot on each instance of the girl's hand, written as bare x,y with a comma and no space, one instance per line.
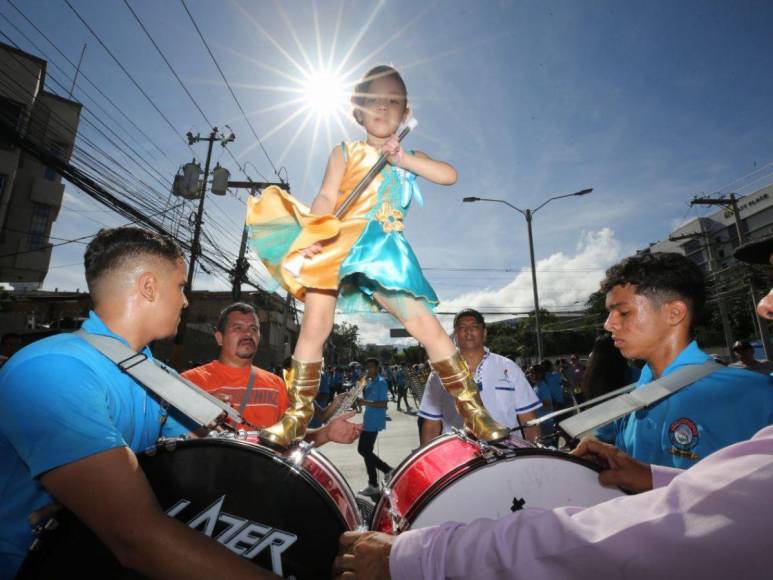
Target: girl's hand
393,151
312,250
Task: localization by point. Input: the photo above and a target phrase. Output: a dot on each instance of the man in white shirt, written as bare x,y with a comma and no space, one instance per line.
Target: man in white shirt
505,392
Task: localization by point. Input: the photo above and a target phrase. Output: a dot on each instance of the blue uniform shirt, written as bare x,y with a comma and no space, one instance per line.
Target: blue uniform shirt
725,407
374,417
553,381
61,401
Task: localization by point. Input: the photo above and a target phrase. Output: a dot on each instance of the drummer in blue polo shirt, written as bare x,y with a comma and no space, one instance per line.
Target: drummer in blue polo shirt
71,421
653,301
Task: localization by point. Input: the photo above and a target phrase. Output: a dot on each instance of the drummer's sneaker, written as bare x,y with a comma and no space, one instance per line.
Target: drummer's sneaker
370,490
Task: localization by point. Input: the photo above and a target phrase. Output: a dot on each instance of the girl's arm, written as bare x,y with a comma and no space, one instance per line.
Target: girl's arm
328,193
419,163
424,166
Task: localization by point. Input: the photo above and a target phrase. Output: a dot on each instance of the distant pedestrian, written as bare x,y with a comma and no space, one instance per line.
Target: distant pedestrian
743,352
375,402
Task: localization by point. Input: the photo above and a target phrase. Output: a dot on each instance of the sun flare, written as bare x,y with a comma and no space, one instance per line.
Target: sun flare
324,93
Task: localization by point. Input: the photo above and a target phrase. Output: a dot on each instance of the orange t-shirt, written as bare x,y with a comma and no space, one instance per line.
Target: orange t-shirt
268,400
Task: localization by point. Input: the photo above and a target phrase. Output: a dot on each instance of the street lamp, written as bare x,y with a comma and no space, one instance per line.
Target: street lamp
528,213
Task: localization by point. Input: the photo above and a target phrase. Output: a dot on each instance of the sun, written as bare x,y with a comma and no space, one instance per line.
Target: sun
324,93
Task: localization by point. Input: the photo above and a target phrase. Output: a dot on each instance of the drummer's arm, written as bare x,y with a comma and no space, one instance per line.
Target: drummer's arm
429,430
325,201
529,433
109,493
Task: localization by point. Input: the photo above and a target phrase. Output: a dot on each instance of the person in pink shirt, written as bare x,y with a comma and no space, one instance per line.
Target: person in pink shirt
714,520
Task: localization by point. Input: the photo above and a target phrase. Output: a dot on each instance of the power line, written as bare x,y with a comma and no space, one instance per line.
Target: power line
92,83
184,87
126,72
233,94
171,68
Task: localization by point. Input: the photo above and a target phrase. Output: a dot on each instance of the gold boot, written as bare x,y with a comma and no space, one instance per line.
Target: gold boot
457,380
302,381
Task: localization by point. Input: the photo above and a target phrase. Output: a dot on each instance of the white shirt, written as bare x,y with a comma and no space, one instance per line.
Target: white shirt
504,390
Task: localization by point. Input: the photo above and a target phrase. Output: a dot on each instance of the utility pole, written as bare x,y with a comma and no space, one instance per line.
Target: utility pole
214,137
239,271
713,269
731,203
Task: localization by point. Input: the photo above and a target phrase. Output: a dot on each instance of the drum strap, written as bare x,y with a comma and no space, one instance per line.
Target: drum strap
183,395
649,394
248,392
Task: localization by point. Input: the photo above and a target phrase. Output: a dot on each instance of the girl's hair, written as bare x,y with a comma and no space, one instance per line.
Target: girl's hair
607,370
362,89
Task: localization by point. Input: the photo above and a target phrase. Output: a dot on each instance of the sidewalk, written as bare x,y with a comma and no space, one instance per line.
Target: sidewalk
394,444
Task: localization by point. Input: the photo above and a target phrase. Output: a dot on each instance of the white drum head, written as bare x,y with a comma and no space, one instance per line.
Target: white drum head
529,480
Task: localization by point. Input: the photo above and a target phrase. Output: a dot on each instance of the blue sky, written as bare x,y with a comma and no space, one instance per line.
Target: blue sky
648,103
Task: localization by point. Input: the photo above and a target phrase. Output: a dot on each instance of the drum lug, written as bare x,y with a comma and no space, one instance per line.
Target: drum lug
39,530
399,523
299,453
296,456
485,450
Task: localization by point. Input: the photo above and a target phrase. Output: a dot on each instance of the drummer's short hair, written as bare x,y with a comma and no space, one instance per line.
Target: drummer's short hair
373,360
241,307
111,248
661,277
471,312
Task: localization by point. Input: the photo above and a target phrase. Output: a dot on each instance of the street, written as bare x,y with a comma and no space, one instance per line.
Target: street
393,445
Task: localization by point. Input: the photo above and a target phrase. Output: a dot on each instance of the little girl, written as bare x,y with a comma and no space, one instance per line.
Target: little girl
368,265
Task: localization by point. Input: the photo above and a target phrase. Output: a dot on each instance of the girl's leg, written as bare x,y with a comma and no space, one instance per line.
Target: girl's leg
317,324
450,367
302,380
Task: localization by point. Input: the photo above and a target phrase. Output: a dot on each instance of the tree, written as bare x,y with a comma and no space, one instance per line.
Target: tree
345,340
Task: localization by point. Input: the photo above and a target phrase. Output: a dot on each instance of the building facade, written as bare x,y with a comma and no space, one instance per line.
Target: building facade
715,236
30,192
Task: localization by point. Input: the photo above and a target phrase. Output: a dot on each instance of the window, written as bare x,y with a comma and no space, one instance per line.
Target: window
41,215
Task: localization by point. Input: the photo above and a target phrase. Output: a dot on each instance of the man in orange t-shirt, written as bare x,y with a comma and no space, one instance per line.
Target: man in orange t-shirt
237,334
265,401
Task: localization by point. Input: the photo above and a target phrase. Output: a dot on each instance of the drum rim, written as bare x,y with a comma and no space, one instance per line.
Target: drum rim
457,473
270,453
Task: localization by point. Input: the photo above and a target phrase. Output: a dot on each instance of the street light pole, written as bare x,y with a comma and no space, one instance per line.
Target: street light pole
537,326
529,214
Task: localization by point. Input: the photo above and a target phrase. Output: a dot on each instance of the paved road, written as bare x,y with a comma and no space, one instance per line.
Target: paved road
393,445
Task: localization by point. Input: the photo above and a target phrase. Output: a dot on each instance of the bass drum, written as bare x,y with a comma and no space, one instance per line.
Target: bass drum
454,478
284,512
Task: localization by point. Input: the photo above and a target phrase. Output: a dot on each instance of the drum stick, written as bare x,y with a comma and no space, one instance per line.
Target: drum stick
295,264
604,397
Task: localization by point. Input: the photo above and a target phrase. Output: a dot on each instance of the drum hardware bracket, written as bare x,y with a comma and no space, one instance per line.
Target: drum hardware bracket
399,523
298,455
39,529
487,451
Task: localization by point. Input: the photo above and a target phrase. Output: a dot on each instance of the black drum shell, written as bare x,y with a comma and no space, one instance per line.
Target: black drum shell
258,486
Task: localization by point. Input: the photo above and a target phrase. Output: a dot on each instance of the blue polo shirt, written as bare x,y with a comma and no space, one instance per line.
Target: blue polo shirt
724,407
374,418
553,381
62,401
